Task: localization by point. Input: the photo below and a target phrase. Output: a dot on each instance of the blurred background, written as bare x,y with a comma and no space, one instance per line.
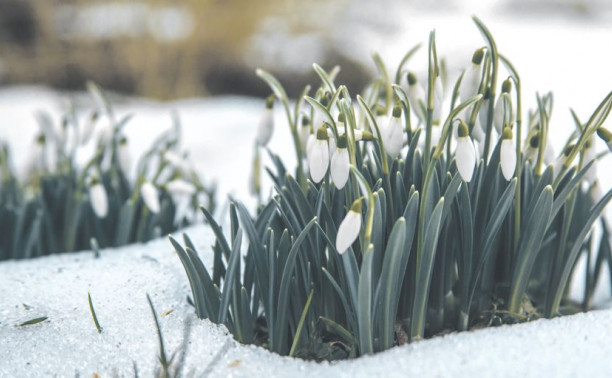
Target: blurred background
186,48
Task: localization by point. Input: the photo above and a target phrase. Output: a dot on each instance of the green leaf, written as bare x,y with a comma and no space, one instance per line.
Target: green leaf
230,277
33,321
391,277
283,297
570,261
193,278
529,246
364,304
424,273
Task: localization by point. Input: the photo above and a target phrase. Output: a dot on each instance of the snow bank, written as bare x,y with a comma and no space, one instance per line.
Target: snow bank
67,344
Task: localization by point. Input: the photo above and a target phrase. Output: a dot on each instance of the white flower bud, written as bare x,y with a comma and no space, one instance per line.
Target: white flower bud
438,100
98,199
318,156
180,187
124,157
507,154
416,96
394,134
150,196
606,136
340,165
465,154
349,228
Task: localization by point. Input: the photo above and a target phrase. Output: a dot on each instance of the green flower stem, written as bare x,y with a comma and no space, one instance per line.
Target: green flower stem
386,80
493,83
370,213
379,140
519,135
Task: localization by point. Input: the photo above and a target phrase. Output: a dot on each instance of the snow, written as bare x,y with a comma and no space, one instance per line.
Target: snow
557,54
68,344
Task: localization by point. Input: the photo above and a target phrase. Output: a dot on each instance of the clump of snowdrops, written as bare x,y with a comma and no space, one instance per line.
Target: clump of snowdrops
414,210
80,191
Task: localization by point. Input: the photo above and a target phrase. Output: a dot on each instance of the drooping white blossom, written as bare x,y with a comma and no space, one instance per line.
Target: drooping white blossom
465,154
507,154
438,100
349,228
471,77
98,199
180,187
318,155
266,124
416,96
394,133
150,196
124,157
340,164
502,113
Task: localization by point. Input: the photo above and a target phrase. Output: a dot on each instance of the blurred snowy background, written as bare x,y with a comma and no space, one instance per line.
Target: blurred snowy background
198,55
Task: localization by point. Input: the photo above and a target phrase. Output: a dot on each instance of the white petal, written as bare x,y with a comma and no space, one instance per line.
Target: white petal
304,133
394,139
179,187
416,95
348,231
99,200
265,128
318,160
498,115
438,99
483,112
470,82
465,158
332,146
340,167
124,158
507,156
150,197
310,143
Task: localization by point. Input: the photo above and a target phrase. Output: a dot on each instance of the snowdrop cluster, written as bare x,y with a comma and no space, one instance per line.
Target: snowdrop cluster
410,212
82,188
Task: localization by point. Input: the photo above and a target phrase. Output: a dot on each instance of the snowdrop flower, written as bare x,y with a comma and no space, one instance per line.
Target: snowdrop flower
483,112
507,154
180,187
532,145
124,157
595,192
340,164
318,155
465,155
150,196
349,228
304,132
176,160
438,100
89,127
606,136
589,155
98,198
394,133
266,123
471,77
416,96
558,165
502,106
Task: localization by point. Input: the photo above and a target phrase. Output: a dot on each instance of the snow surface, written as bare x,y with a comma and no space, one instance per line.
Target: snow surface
67,344
558,54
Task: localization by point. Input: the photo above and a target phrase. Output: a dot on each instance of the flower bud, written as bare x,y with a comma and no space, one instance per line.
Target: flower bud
150,196
318,155
465,155
340,164
507,154
98,198
349,228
